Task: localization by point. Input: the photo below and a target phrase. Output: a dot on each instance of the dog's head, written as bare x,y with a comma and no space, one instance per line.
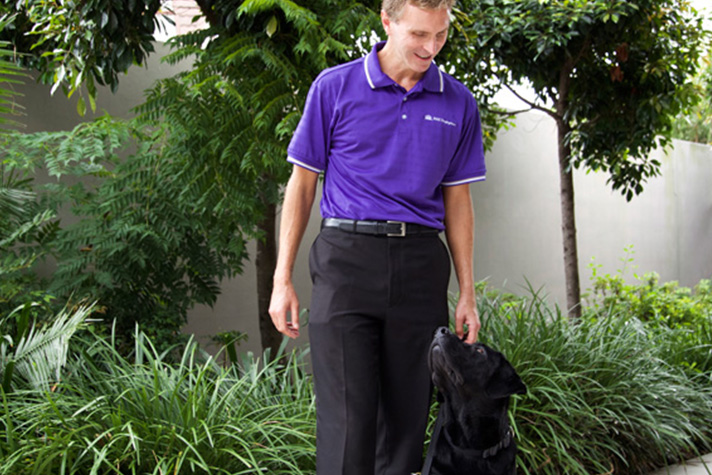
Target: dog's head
467,371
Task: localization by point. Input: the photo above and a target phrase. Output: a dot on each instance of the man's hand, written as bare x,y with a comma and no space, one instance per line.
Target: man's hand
466,314
284,300
459,230
298,200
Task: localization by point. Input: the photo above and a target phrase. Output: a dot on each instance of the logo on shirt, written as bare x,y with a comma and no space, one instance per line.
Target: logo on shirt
433,118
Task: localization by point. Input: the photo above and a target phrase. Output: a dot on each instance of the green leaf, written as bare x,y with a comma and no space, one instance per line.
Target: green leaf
272,25
81,106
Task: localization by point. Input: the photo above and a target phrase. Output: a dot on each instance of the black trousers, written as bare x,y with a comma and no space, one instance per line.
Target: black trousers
376,302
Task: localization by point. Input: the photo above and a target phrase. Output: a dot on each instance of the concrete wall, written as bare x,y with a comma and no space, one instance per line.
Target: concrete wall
518,234
518,224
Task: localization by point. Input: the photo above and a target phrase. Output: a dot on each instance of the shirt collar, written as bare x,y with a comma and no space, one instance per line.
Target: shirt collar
432,81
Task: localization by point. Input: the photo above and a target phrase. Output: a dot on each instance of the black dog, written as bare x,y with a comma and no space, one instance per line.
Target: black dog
472,435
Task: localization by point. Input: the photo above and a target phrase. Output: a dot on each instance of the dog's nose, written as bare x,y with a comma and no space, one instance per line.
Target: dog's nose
441,331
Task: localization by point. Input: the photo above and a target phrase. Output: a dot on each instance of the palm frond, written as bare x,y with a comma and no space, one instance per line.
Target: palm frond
40,356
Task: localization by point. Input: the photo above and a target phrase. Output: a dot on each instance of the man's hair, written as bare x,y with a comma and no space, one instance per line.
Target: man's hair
394,8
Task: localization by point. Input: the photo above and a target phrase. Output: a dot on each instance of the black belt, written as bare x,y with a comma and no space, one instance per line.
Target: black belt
378,228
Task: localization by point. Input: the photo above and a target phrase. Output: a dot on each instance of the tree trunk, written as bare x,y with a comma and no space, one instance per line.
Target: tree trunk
568,215
568,225
266,262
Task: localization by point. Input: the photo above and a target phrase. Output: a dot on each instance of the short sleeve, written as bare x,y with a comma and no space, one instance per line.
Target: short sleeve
468,162
309,146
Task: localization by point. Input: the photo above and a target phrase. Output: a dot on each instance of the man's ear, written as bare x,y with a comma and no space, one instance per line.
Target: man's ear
386,22
505,381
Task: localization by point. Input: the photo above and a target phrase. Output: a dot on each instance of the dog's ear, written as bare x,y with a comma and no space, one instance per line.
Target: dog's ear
505,382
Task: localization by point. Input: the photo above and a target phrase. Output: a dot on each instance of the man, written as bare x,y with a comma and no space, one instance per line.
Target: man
398,142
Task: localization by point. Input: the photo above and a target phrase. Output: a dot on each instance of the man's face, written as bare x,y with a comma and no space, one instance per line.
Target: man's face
417,36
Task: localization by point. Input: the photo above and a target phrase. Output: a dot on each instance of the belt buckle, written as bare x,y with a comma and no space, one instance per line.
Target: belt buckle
400,233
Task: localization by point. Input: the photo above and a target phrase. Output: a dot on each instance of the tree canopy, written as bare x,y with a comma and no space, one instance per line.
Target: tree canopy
613,74
81,43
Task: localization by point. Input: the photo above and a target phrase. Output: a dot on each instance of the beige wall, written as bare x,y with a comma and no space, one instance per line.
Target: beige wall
518,234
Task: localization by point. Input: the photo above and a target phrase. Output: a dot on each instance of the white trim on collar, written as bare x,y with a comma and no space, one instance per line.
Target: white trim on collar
365,68
373,86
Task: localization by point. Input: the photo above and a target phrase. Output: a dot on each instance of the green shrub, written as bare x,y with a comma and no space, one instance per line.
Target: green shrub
683,315
144,415
145,239
601,395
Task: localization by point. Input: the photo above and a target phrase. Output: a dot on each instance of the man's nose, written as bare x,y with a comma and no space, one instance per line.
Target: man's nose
432,47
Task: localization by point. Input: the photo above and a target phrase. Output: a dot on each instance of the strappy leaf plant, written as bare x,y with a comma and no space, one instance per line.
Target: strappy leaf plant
150,414
603,396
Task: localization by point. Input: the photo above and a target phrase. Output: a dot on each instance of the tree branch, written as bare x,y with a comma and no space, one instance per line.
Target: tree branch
510,113
531,104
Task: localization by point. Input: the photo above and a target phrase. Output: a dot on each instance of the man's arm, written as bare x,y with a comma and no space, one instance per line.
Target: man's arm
298,200
459,231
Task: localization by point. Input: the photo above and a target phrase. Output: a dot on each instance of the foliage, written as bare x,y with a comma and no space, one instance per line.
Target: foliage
75,44
228,122
612,74
681,314
22,222
142,415
615,72
142,242
24,226
234,112
696,125
10,75
601,396
32,355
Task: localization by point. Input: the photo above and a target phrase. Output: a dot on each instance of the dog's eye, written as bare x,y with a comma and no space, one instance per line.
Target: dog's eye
481,351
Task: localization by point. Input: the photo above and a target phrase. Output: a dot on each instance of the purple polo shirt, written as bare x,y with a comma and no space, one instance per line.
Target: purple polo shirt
387,153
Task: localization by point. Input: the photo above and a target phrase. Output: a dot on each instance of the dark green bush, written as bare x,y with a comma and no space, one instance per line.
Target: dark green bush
144,238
